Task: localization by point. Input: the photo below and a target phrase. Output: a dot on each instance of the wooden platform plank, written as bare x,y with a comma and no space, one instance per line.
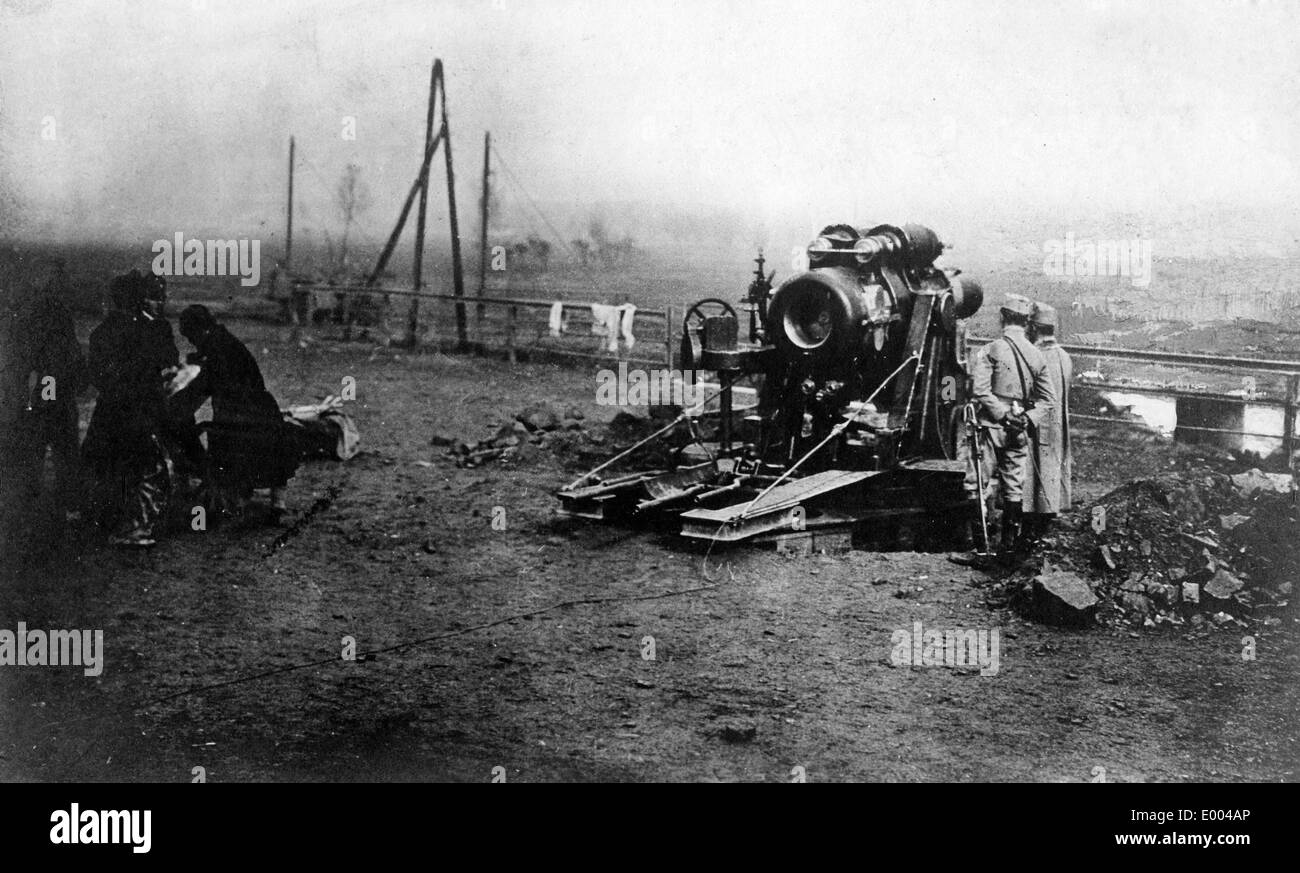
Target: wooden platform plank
784,496
935,465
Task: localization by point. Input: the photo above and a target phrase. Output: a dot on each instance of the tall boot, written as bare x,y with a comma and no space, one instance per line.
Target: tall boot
1032,528
1011,515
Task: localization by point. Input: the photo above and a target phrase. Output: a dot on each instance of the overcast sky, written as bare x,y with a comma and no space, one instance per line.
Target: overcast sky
176,115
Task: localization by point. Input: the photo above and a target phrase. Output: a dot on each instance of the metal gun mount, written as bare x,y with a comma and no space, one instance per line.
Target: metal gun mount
858,376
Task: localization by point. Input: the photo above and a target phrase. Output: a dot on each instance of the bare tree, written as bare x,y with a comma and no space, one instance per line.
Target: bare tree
601,244
541,251
626,249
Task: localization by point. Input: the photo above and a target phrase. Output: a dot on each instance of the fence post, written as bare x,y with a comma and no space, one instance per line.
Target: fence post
510,333
1288,417
668,336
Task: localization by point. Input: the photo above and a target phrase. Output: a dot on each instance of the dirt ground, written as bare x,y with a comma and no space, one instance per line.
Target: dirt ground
527,645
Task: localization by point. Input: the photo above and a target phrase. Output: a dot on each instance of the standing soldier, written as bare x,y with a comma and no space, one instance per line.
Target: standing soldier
57,370
160,342
123,446
180,437
1013,396
1047,477
14,388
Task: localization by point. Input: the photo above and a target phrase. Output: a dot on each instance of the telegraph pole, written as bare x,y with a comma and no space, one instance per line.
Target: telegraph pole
457,268
413,316
420,189
483,220
288,233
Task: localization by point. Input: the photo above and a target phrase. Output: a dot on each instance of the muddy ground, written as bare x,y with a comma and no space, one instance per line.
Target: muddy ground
526,645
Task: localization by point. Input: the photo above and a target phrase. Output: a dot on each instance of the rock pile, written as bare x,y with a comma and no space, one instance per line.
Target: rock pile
1180,549
537,425
564,433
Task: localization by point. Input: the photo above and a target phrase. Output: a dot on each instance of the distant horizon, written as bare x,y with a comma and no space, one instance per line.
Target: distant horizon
115,125
1249,230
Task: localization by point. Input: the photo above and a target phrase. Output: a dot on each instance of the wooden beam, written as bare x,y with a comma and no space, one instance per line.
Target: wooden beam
406,210
457,268
417,269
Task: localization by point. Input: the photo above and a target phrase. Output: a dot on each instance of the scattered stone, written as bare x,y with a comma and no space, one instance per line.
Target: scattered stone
1134,583
1061,597
1256,480
1223,585
1135,604
1232,520
1191,592
626,427
442,438
1163,593
540,416
1206,541
739,731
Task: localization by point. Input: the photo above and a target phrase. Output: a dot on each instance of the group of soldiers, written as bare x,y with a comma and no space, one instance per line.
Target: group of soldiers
1018,426
143,450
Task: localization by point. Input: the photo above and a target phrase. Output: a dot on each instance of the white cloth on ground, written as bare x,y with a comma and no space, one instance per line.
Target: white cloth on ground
556,320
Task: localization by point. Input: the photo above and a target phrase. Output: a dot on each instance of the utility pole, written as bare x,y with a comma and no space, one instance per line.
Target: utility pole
288,234
420,189
284,276
457,268
483,220
413,316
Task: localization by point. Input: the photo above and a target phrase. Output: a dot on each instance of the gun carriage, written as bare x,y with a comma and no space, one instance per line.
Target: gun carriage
857,367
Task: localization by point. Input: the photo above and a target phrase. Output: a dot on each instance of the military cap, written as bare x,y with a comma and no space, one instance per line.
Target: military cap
1044,315
1017,304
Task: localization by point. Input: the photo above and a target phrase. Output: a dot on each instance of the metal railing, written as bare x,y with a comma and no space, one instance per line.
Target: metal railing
1282,378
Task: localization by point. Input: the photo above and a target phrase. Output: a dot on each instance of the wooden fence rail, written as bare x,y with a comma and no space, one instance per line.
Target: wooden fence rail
516,325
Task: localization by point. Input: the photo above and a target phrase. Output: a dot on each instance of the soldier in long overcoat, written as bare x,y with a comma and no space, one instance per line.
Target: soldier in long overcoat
1048,475
1013,396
